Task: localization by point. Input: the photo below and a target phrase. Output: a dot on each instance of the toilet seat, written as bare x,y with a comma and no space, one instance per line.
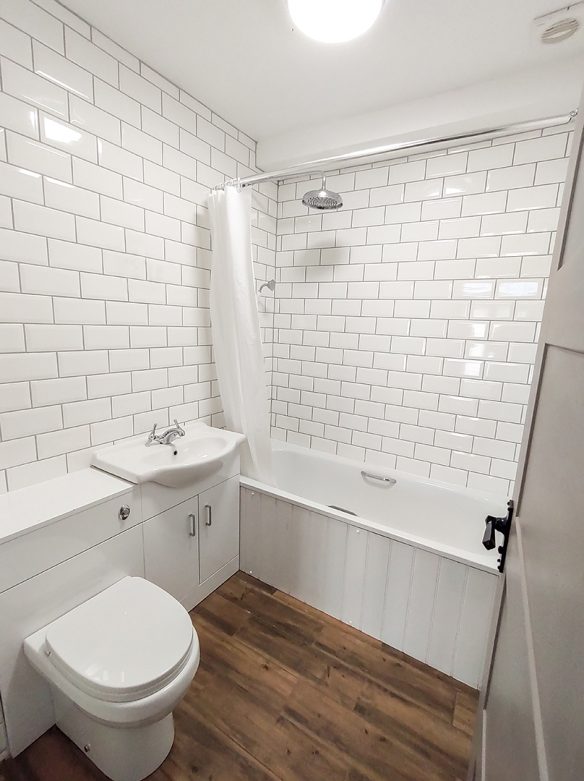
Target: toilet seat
124,644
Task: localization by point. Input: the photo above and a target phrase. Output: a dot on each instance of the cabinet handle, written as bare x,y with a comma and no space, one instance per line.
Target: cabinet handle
209,512
193,519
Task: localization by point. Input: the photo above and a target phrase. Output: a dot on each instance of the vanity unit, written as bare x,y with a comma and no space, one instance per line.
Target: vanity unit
66,540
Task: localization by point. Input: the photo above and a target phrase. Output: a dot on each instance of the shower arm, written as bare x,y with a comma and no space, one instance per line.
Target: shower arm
320,165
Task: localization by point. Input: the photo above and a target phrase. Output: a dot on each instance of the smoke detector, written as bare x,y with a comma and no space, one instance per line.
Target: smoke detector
560,25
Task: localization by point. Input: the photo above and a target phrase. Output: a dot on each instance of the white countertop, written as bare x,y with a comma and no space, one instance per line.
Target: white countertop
38,505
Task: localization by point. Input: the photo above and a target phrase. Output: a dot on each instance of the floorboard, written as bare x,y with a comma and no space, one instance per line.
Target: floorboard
286,693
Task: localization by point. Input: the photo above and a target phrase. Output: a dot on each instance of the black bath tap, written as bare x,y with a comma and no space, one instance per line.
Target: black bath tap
502,525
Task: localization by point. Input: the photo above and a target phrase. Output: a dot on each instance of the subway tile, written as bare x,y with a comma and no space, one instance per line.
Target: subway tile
210,134
20,183
14,396
140,89
141,144
63,72
91,57
551,171
120,160
27,86
116,51
102,386
15,44
79,413
52,223
51,338
420,231
492,157
120,213
407,172
35,156
24,423
93,177
115,102
59,442
16,452
447,165
460,228
83,362
513,332
94,120
442,209
68,138
48,281
372,177
465,184
12,338
38,471
66,197
99,234
519,288
537,149
58,391
34,21
5,212
541,197
18,116
104,287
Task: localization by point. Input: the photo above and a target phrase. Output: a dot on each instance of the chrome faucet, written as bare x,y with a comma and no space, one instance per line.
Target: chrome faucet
167,437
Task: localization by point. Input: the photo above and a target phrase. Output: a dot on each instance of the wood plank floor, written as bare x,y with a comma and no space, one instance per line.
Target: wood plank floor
286,692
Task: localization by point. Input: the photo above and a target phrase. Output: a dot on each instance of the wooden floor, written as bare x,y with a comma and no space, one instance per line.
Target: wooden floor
285,692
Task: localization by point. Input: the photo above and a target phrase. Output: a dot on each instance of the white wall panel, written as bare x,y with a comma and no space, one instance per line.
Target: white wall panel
473,628
334,555
447,608
376,570
421,604
432,608
397,594
354,576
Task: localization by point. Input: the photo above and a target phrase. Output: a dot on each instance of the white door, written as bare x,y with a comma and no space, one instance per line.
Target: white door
218,526
532,725
171,551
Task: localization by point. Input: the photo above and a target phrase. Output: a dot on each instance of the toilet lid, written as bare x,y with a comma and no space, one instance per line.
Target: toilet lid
123,644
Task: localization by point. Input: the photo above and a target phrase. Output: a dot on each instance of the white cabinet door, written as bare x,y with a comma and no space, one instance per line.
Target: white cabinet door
171,551
218,526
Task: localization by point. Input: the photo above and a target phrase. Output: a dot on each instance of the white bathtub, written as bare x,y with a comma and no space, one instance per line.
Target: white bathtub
408,568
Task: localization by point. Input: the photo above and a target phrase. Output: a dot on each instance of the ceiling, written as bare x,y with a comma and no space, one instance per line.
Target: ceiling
244,59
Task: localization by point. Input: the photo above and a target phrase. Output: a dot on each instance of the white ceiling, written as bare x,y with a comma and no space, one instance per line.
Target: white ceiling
244,60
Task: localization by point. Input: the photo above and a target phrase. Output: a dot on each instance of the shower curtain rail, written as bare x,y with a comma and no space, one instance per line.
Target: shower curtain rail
319,166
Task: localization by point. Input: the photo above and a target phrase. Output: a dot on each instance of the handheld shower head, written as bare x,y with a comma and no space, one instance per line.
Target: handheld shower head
322,199
270,284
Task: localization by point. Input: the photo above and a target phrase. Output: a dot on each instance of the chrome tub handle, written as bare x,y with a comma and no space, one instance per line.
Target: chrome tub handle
382,478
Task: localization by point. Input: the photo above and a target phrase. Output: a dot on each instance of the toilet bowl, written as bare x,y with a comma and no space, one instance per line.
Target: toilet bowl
117,666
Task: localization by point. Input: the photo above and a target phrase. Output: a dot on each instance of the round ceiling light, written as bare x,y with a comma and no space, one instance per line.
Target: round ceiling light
334,21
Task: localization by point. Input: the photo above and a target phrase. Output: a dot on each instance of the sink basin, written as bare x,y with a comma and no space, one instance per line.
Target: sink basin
198,454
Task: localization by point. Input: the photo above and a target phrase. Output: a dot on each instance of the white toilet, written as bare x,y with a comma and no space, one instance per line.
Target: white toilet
117,666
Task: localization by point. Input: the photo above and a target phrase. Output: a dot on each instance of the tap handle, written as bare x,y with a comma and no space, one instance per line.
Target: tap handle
489,535
179,427
153,432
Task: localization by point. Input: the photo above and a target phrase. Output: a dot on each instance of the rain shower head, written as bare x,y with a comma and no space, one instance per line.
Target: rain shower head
322,199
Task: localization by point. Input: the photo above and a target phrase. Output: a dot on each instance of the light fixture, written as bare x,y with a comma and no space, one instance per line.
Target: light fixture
334,21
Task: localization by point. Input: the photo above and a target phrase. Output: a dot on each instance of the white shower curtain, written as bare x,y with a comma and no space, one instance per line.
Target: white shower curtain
236,329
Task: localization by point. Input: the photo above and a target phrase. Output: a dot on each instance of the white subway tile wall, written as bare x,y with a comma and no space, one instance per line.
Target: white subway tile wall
406,323
104,243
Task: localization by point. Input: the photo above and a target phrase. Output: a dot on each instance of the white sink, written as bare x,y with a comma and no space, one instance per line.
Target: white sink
198,454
